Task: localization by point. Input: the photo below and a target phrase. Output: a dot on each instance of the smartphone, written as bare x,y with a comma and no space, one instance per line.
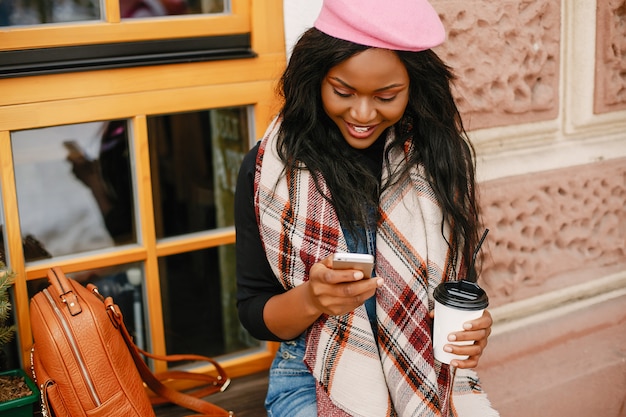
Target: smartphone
361,261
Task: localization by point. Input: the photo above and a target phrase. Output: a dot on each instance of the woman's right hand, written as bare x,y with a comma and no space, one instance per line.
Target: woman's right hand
338,291
327,291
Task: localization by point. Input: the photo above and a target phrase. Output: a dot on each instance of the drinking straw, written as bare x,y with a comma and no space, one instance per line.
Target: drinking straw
472,272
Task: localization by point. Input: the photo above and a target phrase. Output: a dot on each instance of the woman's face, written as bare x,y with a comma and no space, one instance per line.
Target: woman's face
366,94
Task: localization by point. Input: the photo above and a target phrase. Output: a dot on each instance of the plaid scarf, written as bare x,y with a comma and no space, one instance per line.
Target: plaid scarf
357,375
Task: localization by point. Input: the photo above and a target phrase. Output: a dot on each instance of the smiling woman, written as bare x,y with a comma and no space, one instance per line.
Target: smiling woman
367,155
365,95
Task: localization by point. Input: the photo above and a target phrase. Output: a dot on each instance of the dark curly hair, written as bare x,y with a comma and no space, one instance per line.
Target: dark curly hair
431,121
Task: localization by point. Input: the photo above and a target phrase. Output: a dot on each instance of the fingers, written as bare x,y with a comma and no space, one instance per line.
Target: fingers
344,297
469,363
337,292
477,332
473,352
323,271
483,322
470,335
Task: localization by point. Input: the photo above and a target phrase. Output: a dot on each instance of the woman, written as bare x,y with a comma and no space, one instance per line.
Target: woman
367,155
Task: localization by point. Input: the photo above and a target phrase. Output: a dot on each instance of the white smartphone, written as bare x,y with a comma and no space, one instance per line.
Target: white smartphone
361,261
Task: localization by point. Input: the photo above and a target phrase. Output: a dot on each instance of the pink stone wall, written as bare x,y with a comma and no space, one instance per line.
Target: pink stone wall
507,56
562,221
554,228
610,82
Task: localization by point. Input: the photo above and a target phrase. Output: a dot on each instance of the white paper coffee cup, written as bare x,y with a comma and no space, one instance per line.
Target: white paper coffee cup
456,302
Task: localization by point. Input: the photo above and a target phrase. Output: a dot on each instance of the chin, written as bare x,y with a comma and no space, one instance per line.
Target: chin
360,143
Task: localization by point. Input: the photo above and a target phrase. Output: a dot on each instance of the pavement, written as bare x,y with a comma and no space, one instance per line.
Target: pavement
568,361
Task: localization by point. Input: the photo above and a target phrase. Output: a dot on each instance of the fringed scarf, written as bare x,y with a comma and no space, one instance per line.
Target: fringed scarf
357,375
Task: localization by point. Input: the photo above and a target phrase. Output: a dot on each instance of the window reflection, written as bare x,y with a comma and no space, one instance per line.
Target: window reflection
33,249
34,12
151,8
74,188
195,158
199,305
124,283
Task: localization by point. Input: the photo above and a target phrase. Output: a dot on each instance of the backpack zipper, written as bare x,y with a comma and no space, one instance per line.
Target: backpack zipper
75,350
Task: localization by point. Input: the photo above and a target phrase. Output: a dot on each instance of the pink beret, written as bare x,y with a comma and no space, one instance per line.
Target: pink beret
404,25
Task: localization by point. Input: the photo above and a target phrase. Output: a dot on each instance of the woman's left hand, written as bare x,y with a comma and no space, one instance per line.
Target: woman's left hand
477,330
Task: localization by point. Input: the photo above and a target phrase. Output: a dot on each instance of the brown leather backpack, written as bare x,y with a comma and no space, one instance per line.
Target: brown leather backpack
86,363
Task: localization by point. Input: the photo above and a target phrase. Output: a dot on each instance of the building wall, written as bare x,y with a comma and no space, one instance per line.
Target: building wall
542,90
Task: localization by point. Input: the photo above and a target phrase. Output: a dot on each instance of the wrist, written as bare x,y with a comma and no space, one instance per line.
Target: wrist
310,307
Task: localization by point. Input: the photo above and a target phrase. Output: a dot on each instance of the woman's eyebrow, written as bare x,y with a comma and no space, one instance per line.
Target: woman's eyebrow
388,87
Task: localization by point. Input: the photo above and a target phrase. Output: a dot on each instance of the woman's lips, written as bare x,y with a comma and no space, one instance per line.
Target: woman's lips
360,132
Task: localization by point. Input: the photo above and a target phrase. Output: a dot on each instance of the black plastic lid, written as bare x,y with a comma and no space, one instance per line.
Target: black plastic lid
462,295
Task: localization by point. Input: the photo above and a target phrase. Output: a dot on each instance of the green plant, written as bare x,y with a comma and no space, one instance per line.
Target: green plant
17,391
7,277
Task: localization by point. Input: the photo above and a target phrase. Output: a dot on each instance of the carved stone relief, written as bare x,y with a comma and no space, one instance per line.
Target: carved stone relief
553,228
610,83
506,57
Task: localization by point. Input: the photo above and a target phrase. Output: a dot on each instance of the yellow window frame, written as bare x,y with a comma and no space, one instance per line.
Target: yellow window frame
136,93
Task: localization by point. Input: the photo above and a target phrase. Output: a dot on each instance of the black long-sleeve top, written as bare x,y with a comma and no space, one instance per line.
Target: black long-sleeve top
256,282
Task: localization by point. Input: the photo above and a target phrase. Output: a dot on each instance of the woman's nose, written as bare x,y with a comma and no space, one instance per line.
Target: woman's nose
363,111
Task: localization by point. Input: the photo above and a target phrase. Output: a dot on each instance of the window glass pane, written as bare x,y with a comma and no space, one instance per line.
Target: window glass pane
199,306
31,247
132,9
125,284
74,188
34,12
195,158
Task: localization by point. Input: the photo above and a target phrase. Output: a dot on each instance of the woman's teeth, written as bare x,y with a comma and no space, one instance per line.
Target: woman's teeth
360,129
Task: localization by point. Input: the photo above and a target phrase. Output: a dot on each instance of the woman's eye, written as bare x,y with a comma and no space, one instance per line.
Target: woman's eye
387,99
340,94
